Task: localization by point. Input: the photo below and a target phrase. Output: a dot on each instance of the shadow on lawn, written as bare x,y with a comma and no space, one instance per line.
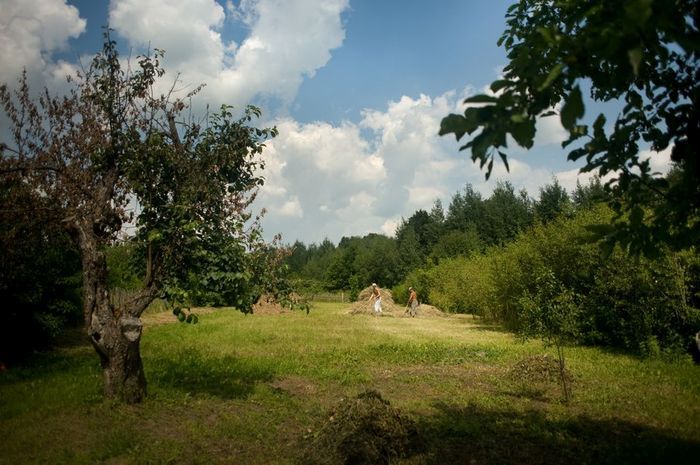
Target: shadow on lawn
196,373
475,435
486,326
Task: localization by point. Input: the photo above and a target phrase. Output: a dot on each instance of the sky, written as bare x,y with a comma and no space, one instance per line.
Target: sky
356,88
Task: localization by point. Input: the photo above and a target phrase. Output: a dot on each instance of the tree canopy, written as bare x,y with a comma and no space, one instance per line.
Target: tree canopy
642,54
114,152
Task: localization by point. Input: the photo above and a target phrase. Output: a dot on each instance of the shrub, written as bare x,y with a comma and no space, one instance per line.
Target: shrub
641,304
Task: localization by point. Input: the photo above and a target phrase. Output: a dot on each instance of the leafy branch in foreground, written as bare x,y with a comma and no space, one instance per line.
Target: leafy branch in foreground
643,54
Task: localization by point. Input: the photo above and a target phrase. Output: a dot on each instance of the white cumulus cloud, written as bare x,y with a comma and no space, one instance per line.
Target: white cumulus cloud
30,32
288,40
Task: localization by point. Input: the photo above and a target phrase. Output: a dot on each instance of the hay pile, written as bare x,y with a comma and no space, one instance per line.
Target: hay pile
268,305
389,307
538,369
363,430
429,310
364,305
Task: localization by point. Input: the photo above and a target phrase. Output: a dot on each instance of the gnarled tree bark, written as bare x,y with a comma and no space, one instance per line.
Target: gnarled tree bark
115,332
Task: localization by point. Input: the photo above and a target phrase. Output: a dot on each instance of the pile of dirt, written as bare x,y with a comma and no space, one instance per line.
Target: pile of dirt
363,430
538,368
389,307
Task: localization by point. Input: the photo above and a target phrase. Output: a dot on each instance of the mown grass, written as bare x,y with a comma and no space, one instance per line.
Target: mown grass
249,389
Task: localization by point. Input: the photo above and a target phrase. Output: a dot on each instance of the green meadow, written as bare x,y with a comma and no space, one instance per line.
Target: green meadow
256,389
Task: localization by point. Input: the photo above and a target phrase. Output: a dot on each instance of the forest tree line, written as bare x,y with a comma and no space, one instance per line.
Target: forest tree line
469,225
518,261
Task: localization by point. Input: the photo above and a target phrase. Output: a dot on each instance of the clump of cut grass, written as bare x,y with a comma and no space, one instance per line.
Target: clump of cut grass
538,369
365,430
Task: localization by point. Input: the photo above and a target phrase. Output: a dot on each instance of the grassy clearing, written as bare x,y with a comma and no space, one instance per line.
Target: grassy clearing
248,389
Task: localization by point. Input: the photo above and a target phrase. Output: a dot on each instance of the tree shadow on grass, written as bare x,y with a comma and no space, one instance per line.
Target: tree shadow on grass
477,435
197,373
481,324
44,365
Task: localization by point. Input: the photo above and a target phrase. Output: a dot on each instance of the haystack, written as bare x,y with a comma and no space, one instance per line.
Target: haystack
389,307
364,305
268,305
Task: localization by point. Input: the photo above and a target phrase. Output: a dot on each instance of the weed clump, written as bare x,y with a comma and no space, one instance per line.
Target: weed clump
363,430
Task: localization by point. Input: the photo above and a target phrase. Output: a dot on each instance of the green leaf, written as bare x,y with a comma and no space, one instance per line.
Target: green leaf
638,12
553,74
154,235
500,84
481,144
481,98
489,169
524,133
546,34
598,127
635,57
575,133
573,108
453,123
504,158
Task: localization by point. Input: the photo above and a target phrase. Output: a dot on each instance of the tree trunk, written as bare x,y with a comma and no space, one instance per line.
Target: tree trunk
562,373
118,345
115,332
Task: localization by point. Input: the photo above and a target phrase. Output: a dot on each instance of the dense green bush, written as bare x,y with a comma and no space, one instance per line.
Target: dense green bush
421,280
641,304
122,266
40,288
40,279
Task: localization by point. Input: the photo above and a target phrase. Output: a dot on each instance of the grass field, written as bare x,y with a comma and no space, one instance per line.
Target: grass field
253,390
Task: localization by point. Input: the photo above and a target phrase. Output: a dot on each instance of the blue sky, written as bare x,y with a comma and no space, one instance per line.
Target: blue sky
357,89
396,48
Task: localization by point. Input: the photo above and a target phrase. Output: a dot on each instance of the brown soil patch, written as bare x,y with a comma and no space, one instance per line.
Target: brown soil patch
389,307
295,385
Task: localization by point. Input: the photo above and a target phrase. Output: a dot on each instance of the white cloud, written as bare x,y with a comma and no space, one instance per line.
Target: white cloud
322,180
288,41
362,177
356,178
389,227
30,31
290,208
660,162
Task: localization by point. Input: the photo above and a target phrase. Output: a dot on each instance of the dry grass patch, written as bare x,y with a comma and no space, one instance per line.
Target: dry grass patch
295,385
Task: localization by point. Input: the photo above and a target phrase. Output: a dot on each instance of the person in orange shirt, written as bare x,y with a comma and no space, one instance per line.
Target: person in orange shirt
412,305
